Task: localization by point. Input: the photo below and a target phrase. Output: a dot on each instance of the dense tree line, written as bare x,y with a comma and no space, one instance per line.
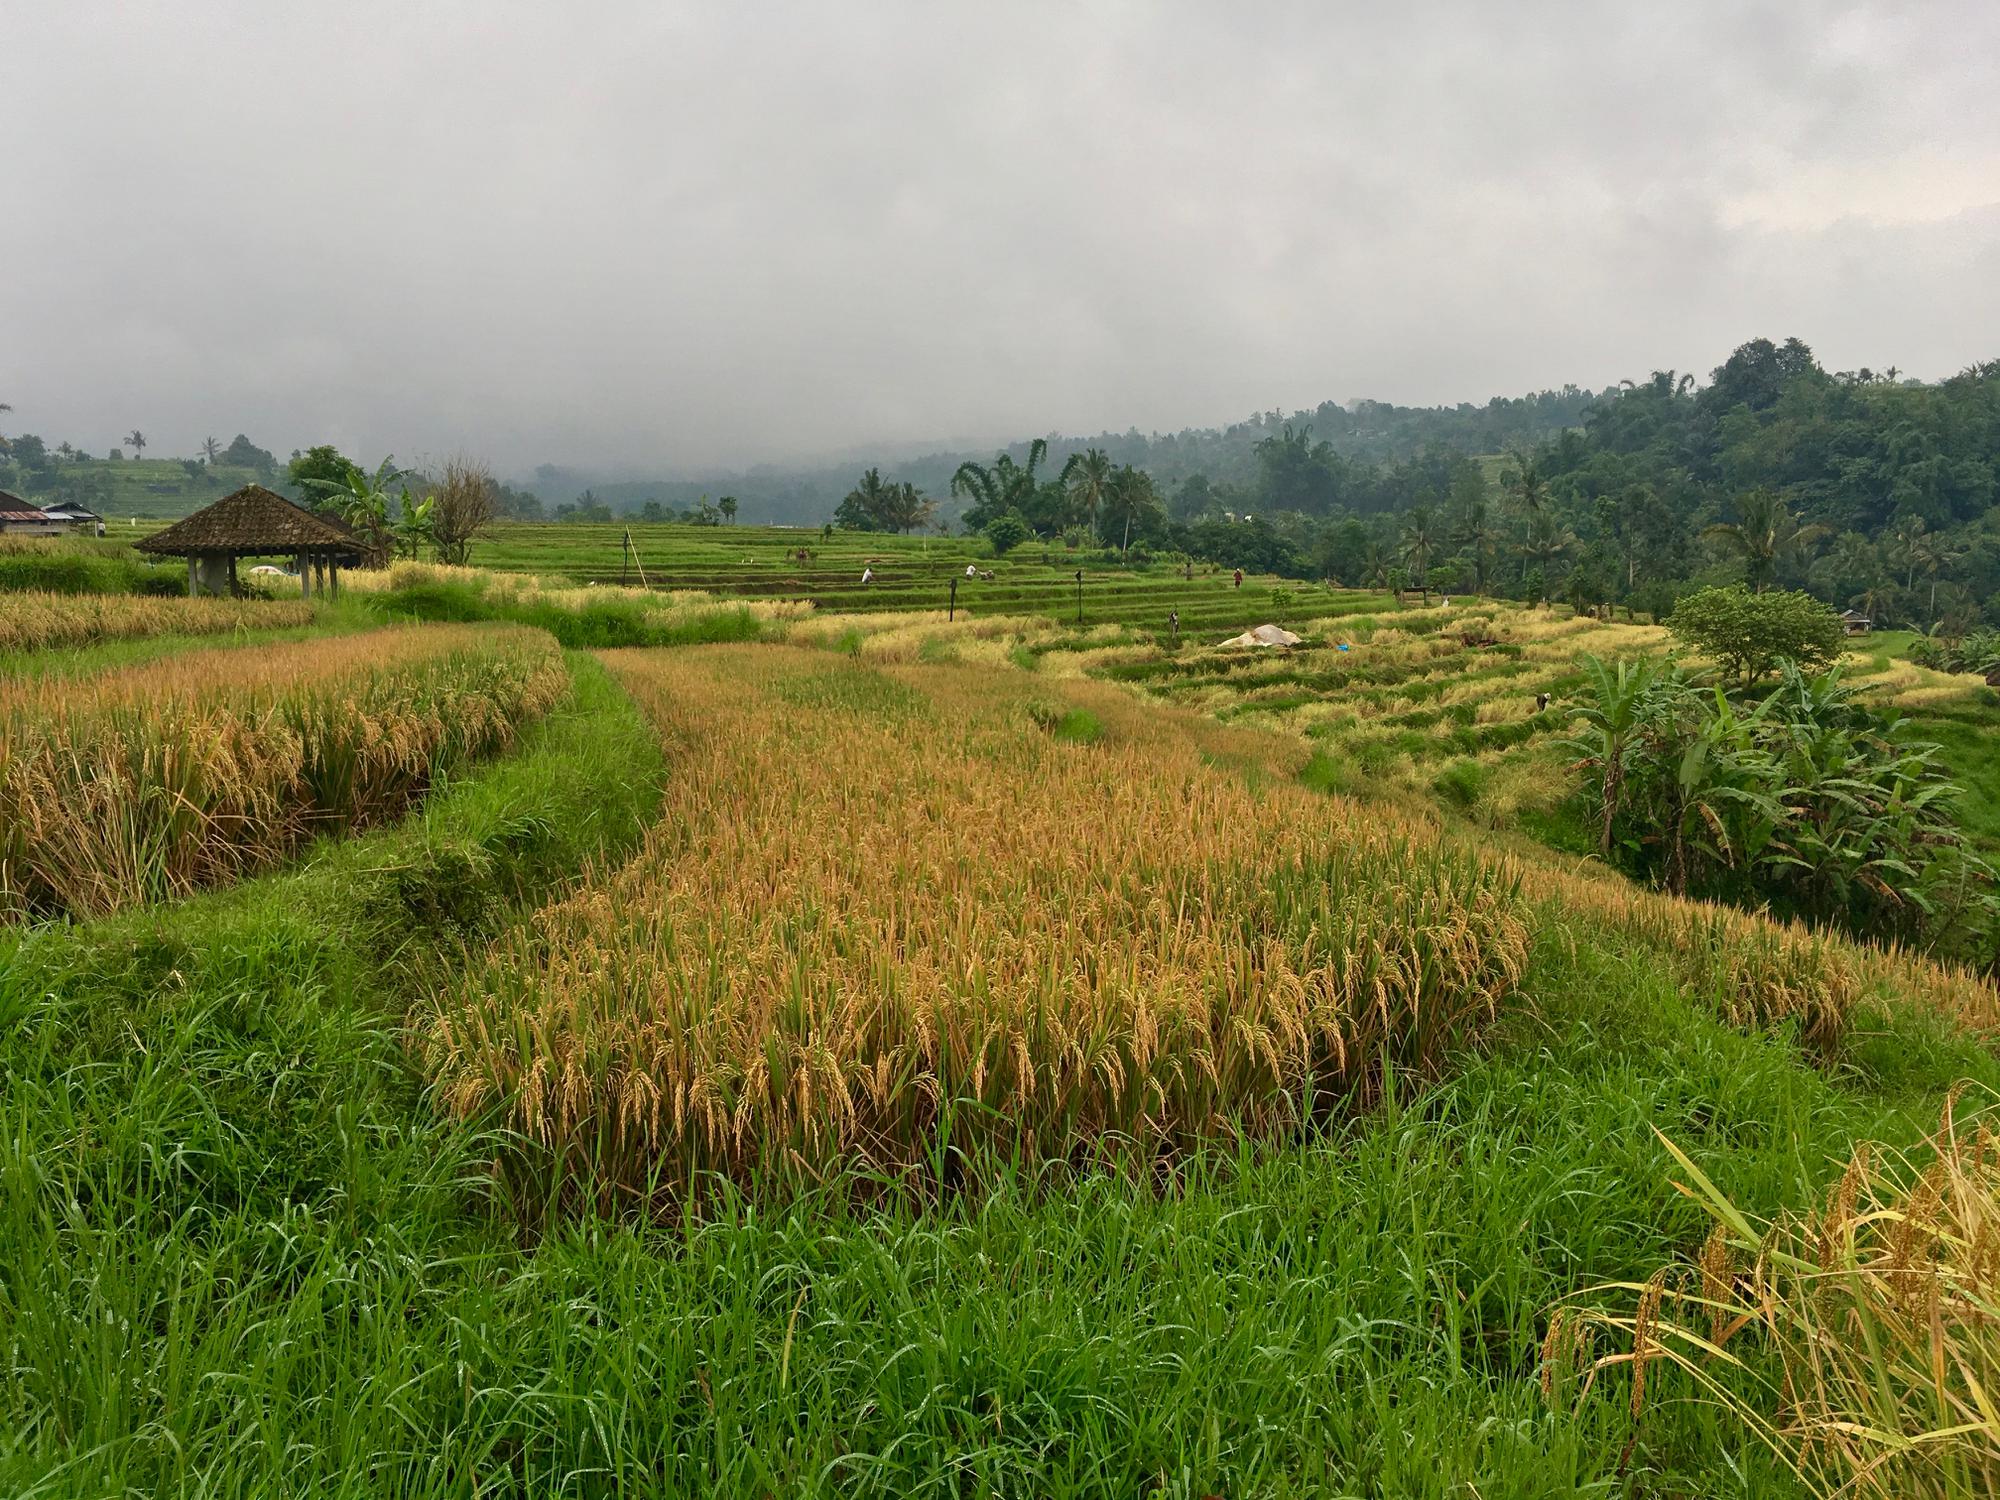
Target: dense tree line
1868,490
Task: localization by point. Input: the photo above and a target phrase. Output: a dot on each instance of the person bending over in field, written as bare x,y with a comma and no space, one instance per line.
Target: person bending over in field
867,575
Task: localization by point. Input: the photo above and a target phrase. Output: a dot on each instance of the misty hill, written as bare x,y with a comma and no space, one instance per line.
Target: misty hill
1366,432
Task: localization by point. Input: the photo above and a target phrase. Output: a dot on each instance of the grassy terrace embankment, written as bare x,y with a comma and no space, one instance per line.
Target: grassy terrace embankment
974,1057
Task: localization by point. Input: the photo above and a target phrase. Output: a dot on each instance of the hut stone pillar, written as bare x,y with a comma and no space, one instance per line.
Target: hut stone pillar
305,577
208,575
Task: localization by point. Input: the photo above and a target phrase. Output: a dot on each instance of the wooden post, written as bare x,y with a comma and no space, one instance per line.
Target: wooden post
192,587
333,577
1079,596
951,609
305,577
235,588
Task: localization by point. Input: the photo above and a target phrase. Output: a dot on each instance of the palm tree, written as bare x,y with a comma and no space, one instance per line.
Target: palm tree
1473,529
1004,486
211,450
1928,553
1528,485
1129,495
1764,534
1087,478
137,440
1874,602
1420,539
727,505
1546,541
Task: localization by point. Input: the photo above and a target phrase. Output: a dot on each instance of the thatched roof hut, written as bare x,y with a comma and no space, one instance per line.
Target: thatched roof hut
256,522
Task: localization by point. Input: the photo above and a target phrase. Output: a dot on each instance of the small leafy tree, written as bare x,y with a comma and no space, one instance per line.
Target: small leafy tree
324,477
1006,532
727,505
362,501
1747,635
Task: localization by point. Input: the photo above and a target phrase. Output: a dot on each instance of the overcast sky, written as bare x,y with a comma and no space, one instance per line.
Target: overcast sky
659,237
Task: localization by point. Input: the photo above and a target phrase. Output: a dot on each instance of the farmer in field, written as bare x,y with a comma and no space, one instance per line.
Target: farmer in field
971,571
867,575
1239,578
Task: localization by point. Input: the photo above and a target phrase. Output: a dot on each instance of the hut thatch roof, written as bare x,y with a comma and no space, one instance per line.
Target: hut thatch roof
253,522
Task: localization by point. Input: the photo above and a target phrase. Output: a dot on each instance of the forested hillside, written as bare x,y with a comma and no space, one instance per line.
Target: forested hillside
1365,433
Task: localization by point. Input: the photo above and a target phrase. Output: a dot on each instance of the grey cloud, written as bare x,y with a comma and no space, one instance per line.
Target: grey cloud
650,236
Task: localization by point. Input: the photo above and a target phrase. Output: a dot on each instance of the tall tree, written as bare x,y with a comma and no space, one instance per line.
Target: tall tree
1764,534
1421,533
1004,486
727,505
211,450
137,441
864,506
1087,477
1130,504
1528,486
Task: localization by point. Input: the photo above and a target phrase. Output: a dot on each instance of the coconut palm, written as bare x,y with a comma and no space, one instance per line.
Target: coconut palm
1087,478
1473,529
1421,533
1547,541
211,450
1528,485
1764,534
136,440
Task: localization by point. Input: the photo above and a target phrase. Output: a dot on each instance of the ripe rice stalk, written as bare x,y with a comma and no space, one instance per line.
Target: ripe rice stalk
853,943
1880,1311
31,621
155,781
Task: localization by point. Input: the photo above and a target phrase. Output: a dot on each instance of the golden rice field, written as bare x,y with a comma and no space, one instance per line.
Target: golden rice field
42,622
150,782
889,922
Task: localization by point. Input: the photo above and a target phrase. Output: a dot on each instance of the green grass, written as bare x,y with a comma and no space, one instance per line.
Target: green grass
245,1259
911,573
243,1254
79,572
596,624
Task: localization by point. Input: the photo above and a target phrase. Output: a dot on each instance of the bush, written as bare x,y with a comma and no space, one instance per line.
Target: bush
80,573
1005,533
1747,634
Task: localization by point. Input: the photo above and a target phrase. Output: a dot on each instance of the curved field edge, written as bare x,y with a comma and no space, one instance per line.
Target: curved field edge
190,1089
319,1304
918,923
911,925
162,779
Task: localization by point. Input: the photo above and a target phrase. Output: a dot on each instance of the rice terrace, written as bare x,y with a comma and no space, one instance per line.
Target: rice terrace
590,907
